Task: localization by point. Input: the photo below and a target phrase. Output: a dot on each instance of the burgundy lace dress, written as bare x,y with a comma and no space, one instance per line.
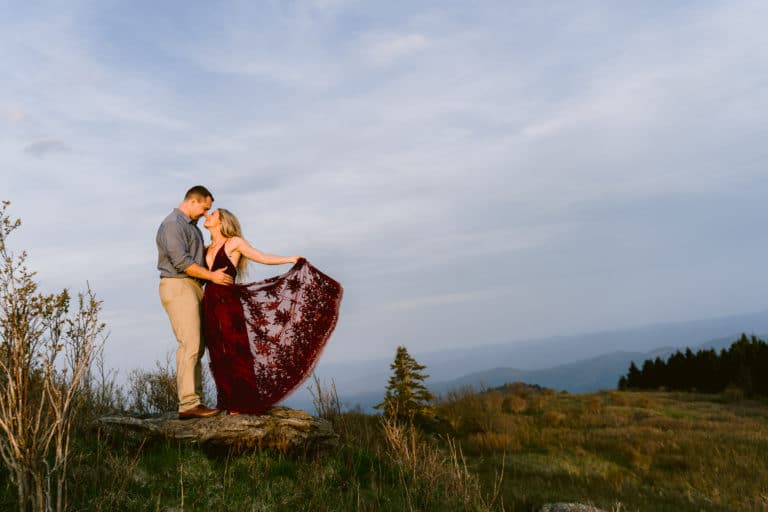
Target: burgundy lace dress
265,338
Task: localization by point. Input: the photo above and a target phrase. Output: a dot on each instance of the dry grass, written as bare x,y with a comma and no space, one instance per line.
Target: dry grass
427,467
642,451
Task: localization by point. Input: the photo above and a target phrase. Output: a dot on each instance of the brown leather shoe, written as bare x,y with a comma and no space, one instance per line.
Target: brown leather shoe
200,411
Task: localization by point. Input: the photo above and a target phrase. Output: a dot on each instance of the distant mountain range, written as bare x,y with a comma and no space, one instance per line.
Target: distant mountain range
597,373
577,364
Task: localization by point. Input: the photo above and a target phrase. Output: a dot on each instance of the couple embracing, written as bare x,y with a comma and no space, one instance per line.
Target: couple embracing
263,338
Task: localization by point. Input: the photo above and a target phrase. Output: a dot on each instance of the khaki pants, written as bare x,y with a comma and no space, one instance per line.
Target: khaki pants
181,298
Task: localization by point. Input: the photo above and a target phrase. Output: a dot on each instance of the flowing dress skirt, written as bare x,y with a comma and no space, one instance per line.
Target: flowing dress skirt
264,338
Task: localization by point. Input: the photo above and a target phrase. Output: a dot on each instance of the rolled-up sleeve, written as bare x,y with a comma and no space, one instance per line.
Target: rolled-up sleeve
172,239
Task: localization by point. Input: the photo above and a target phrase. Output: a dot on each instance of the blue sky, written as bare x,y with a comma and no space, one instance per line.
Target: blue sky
472,174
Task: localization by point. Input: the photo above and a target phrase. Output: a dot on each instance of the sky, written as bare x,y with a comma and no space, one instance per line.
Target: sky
471,172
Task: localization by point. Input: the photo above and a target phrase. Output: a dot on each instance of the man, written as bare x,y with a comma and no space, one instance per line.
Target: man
181,262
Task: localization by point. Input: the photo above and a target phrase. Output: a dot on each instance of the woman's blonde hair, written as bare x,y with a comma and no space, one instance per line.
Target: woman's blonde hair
230,227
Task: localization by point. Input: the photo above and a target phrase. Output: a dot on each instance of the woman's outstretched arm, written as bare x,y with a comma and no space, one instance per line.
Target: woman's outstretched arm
245,249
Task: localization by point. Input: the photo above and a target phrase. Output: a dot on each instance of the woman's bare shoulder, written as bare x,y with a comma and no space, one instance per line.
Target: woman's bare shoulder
237,242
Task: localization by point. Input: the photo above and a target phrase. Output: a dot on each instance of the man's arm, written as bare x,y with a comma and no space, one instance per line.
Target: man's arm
171,237
218,276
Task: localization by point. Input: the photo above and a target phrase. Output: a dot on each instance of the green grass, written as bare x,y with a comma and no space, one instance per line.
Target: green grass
181,477
619,451
111,474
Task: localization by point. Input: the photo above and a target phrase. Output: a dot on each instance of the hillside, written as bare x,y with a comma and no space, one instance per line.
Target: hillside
618,450
513,449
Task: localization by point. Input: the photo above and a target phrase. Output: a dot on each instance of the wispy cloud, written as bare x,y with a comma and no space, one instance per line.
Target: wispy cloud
431,301
386,48
46,147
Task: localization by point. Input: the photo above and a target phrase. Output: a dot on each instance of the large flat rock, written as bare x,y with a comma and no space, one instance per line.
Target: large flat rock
569,507
281,429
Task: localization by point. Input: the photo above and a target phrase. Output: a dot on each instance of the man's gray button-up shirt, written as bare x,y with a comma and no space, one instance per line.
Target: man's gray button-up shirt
179,245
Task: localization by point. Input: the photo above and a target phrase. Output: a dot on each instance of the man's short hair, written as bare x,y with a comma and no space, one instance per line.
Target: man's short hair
198,192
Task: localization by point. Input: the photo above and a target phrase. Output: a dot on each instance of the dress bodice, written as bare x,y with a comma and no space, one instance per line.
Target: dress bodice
222,260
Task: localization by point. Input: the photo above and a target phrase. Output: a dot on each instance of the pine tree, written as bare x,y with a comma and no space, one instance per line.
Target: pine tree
743,365
634,377
407,398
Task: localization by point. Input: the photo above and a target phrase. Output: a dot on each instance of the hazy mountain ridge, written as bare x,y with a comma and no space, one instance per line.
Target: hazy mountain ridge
578,363
594,374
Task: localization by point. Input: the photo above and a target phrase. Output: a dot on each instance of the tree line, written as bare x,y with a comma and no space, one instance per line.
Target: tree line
744,365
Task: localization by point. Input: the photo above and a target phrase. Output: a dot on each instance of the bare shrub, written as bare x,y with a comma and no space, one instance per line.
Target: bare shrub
153,392
328,406
46,352
325,399
103,395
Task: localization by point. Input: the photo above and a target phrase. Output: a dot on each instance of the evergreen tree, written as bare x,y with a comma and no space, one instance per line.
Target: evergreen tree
743,365
407,398
633,378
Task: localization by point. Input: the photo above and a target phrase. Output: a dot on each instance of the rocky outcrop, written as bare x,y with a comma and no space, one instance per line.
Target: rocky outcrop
569,507
281,429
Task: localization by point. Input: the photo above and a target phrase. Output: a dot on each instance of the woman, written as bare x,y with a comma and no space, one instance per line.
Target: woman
263,338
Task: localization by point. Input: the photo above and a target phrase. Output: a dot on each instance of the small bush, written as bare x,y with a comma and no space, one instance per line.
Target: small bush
470,413
519,388
513,404
153,391
553,418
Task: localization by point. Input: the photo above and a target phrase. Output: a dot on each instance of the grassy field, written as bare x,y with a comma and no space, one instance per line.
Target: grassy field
512,449
619,450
